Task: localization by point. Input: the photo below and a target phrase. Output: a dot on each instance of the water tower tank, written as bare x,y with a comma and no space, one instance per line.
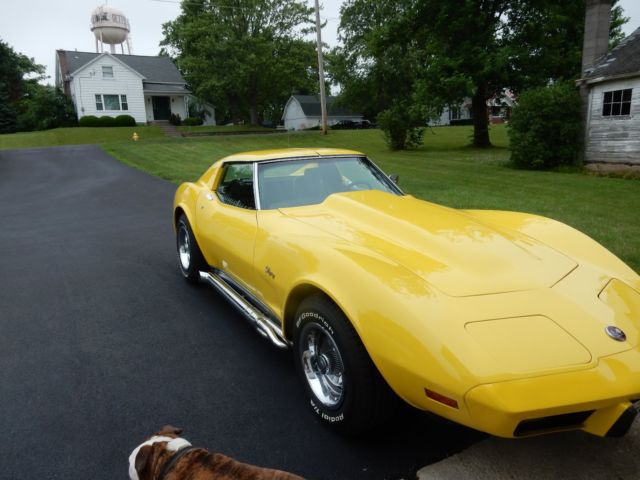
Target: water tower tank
110,26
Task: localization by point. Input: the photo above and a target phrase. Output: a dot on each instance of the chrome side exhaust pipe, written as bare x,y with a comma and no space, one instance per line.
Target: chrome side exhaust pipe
265,326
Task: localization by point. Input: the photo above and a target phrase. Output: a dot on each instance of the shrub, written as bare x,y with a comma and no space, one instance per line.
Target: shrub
125,121
106,121
175,119
545,128
89,121
192,121
399,126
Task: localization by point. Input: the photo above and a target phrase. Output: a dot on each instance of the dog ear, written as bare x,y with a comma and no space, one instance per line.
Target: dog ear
143,458
170,429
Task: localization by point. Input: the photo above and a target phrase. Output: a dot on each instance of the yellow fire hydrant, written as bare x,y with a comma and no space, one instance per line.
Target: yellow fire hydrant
135,137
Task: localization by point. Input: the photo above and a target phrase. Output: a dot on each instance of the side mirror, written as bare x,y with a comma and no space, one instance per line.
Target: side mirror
395,178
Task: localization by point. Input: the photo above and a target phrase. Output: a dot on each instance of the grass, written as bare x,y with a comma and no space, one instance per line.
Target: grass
445,170
76,136
222,129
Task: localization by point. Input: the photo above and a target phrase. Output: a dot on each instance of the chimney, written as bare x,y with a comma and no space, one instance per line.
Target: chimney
596,32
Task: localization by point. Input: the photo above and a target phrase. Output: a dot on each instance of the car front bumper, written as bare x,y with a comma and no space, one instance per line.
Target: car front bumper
599,400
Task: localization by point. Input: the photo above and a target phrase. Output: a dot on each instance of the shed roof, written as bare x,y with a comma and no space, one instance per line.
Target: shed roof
311,107
624,60
154,69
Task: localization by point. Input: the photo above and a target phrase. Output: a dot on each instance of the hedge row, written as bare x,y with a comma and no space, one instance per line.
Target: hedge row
105,121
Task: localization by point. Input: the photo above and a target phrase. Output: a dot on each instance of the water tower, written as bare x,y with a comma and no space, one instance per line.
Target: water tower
110,26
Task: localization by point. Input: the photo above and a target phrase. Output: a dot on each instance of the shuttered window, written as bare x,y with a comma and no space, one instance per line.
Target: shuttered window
617,103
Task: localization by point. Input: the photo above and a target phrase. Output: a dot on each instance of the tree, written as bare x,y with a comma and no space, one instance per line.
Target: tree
15,70
44,107
244,56
378,67
445,50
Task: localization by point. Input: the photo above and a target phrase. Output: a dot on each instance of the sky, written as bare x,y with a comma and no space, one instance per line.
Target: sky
37,28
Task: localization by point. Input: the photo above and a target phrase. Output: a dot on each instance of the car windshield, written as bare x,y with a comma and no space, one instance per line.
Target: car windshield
293,183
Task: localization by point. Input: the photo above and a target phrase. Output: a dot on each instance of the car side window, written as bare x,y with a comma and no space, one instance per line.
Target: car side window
236,186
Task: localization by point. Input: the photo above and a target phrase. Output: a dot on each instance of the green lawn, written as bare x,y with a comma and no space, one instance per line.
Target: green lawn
222,129
445,170
76,136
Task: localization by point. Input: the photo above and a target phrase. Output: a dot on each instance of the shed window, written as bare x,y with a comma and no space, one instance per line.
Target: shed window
99,105
617,103
107,72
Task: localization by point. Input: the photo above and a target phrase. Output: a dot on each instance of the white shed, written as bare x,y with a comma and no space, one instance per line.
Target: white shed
613,119
303,111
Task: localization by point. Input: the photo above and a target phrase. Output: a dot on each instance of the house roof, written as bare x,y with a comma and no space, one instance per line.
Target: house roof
311,107
622,61
150,87
154,69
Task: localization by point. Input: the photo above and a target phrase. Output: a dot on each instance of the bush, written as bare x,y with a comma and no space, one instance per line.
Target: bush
192,121
399,126
106,121
125,121
175,119
89,121
545,128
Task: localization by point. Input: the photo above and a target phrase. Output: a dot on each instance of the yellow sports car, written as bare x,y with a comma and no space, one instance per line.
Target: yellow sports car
510,323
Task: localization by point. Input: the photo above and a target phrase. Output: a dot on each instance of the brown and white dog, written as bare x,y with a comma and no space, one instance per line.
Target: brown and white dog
166,456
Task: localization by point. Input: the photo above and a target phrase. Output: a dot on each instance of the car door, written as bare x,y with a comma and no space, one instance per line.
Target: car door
227,223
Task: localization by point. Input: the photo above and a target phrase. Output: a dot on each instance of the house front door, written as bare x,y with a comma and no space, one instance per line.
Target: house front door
161,108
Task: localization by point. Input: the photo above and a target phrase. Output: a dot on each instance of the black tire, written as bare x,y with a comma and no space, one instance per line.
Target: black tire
347,392
190,259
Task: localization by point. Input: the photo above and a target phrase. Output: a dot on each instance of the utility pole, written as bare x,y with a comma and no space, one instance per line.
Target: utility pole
323,97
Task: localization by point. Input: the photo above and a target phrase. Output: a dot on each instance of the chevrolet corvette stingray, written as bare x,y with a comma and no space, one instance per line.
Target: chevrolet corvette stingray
510,323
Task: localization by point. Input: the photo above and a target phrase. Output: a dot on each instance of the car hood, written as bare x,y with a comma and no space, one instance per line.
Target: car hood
453,251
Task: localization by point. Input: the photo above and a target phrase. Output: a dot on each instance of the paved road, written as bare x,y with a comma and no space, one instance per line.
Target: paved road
565,456
102,342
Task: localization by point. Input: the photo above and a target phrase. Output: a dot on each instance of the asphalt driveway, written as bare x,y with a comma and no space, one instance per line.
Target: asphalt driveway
102,342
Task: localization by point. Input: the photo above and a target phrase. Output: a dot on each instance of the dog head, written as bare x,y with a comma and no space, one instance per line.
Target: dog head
146,457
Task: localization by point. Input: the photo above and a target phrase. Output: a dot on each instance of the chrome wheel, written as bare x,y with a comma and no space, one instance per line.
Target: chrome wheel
322,365
184,251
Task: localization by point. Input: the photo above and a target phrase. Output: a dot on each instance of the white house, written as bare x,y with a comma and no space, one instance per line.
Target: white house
304,111
453,113
498,108
613,108
145,87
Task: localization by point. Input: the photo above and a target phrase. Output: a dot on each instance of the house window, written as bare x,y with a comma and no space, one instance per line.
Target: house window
111,102
454,113
617,103
107,72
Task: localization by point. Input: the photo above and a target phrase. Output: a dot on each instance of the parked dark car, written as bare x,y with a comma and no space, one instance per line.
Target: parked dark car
344,125
364,124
